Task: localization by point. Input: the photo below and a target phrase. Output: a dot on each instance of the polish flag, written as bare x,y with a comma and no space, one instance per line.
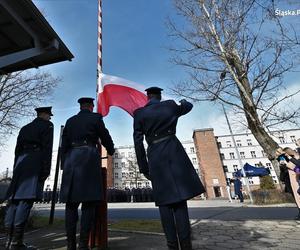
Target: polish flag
119,92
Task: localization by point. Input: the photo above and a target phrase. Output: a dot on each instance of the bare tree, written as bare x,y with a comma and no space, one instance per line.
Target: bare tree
20,93
237,52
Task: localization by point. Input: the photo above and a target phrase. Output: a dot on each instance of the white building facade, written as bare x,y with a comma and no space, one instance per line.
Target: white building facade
125,168
251,152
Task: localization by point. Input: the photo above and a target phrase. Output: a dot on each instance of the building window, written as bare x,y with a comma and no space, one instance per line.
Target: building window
253,155
219,144
242,154
281,139
293,138
123,164
116,165
139,184
238,143
116,155
225,168
131,174
268,165
249,142
235,168
123,174
228,143
192,149
116,184
222,156
263,154
231,155
251,182
147,184
116,175
194,160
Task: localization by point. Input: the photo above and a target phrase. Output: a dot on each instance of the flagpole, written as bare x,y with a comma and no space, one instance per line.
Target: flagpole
99,236
238,155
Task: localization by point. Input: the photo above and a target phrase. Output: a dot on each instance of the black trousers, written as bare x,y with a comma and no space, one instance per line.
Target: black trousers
175,221
87,217
17,213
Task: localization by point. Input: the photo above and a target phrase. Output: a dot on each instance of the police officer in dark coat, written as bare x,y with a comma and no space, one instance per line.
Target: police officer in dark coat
82,178
32,165
174,179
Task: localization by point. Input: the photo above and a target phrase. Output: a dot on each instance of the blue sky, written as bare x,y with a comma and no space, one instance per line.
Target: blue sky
135,41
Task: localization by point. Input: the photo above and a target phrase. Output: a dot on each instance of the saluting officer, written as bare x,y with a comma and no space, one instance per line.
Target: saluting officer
32,166
174,179
82,180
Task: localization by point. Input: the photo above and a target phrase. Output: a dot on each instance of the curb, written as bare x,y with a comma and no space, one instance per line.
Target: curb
135,232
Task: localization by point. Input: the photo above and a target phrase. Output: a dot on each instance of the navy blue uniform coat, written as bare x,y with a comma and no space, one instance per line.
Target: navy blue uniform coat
172,174
32,164
81,180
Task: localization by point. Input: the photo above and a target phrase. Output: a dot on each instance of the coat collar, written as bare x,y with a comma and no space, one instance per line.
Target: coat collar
84,111
152,101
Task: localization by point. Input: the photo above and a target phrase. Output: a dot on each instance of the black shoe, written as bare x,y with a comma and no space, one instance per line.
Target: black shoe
21,247
84,241
9,235
186,244
172,245
17,240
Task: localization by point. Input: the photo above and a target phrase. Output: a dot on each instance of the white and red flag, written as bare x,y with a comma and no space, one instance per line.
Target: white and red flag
119,92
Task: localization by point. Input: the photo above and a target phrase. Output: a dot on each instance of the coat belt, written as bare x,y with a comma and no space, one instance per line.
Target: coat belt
161,139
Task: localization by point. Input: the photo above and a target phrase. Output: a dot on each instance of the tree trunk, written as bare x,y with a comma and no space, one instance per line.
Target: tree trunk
254,124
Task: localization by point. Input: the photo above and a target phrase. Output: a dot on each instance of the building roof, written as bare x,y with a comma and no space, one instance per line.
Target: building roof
26,38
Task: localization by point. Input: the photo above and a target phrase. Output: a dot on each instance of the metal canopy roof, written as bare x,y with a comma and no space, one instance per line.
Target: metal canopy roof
26,38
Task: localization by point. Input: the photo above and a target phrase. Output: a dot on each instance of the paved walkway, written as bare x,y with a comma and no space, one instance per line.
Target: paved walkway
207,234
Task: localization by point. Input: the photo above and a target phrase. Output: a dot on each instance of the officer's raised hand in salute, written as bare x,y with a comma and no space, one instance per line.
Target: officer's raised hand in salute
32,165
174,179
82,180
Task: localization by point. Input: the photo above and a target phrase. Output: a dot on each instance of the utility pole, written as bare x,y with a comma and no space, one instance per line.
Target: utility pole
238,156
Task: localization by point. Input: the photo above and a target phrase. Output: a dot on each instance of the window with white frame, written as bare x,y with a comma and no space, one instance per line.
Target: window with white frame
238,143
235,168
116,155
192,149
228,144
139,184
123,164
116,165
253,155
231,155
194,160
268,165
281,139
242,154
123,174
219,144
222,156
225,168
249,142
117,175
293,138
263,154
147,184
117,184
